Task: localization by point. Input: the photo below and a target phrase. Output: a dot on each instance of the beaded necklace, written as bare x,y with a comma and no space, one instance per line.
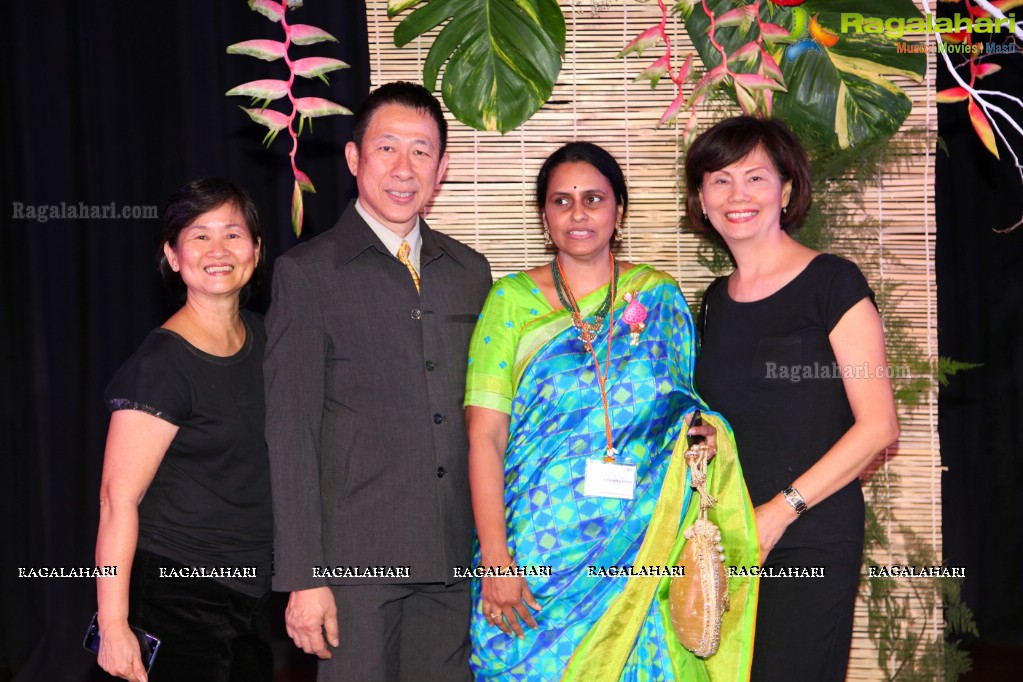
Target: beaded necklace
588,332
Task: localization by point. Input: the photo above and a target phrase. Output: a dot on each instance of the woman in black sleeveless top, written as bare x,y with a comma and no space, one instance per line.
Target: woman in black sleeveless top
793,355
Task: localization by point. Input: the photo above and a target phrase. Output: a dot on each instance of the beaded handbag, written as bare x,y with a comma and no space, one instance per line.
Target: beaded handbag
698,599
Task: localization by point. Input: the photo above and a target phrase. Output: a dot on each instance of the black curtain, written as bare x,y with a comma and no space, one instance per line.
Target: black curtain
118,102
980,320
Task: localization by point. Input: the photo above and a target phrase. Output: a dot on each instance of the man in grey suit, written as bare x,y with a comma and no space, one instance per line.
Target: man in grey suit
367,340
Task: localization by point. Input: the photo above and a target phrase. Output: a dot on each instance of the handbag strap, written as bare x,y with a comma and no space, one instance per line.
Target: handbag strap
701,319
696,458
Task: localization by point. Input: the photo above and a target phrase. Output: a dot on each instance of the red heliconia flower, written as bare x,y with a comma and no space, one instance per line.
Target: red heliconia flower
788,3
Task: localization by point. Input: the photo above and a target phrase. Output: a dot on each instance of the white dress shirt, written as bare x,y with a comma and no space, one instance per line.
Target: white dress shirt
392,242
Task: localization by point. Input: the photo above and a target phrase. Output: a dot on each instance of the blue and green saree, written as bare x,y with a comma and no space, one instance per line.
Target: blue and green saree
526,360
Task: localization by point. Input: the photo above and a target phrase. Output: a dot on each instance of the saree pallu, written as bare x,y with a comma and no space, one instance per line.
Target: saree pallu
527,360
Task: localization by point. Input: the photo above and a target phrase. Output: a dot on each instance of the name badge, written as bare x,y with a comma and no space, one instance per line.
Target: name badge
609,479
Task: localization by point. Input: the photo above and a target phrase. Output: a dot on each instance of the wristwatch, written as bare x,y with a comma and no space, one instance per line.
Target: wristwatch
796,500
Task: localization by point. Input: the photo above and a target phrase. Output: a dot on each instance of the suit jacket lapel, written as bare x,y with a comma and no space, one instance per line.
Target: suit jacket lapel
431,249
433,246
352,236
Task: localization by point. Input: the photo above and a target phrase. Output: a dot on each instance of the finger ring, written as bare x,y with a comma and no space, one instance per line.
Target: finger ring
494,615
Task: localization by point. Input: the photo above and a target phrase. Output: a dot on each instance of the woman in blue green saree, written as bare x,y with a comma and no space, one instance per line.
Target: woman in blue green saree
576,410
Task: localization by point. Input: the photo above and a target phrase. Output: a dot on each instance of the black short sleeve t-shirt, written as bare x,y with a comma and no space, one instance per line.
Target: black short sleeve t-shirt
209,502
768,367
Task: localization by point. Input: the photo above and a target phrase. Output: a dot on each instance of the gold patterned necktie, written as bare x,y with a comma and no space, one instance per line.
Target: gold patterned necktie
403,255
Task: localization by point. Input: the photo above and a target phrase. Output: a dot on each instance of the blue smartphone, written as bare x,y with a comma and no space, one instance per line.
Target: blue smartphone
148,644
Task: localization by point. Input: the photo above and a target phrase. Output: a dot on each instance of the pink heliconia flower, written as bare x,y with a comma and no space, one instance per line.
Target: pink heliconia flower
267,90
635,312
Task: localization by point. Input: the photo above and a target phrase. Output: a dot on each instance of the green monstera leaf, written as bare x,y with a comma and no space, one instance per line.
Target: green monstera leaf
836,95
502,56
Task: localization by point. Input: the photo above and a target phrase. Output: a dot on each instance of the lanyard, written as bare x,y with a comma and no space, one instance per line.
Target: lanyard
601,376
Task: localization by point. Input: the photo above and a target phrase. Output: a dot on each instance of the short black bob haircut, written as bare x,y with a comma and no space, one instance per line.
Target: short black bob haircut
201,196
405,94
587,152
732,140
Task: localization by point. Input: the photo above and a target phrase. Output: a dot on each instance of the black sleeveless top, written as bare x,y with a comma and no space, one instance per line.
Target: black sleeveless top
767,366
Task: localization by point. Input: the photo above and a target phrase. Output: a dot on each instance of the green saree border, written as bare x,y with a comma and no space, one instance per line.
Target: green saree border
605,649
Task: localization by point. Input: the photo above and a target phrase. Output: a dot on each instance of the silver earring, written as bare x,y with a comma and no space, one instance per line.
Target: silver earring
784,209
704,215
547,241
618,232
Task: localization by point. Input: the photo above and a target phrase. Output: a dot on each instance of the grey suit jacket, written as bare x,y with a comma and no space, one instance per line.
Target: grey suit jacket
365,380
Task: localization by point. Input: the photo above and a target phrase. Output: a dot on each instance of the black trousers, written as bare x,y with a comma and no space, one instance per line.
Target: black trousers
400,633
804,625
207,630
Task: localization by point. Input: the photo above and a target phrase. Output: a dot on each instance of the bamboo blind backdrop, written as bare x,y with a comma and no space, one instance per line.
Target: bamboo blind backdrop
487,202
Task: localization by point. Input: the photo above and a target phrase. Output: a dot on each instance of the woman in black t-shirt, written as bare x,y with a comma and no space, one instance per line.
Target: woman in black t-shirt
185,498
793,355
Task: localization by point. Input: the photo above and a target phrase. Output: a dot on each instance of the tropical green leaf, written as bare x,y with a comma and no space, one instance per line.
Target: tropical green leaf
502,56
836,96
846,84
396,7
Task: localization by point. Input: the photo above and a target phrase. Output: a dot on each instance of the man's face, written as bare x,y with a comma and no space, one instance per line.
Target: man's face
398,165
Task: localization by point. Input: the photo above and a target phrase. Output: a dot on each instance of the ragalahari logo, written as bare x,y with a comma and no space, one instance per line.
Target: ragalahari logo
802,25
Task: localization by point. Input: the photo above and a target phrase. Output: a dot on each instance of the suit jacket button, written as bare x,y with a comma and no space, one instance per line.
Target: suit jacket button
416,313
441,471
430,365
438,418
